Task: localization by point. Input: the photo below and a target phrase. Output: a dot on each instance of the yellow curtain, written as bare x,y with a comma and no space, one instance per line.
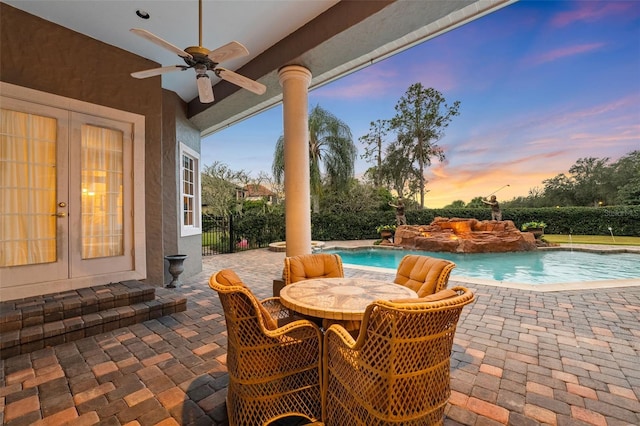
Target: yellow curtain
27,188
102,192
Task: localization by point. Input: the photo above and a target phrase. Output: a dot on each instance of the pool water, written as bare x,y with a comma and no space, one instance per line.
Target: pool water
532,267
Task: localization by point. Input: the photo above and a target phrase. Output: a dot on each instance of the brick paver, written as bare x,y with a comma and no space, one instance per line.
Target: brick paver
519,357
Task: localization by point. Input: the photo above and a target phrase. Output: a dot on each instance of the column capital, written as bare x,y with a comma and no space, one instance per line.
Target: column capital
294,72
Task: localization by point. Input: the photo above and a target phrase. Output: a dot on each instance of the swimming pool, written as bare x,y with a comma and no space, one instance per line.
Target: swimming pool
538,267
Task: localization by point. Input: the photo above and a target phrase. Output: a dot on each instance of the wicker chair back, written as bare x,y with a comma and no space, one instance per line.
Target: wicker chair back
307,266
424,274
273,372
397,371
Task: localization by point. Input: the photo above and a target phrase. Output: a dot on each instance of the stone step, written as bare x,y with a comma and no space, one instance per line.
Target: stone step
21,313
33,323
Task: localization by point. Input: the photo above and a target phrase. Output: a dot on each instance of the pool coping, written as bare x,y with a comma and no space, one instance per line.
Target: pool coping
578,285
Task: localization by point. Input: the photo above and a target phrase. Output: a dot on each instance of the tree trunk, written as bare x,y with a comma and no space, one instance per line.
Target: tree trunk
421,167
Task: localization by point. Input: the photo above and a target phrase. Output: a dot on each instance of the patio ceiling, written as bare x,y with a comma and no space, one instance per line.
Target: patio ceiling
331,38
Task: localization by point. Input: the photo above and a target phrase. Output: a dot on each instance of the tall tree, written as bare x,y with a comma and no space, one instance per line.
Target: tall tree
559,190
360,197
591,181
398,171
626,178
330,147
219,187
421,117
373,148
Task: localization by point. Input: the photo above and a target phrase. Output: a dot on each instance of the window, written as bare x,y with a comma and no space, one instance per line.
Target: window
189,191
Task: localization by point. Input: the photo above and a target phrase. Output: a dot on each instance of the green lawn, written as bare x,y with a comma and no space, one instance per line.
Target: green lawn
592,239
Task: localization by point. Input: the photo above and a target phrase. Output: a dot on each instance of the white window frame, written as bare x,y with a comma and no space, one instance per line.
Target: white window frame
196,228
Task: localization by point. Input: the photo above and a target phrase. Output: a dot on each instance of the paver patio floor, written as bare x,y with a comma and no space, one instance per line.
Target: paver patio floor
519,358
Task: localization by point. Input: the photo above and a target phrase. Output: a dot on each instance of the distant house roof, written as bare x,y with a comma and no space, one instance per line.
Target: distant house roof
255,190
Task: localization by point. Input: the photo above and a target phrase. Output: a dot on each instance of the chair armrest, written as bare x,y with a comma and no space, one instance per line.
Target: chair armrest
342,336
276,309
288,321
298,329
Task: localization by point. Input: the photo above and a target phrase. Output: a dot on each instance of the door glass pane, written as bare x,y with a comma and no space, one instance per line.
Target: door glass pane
27,188
102,192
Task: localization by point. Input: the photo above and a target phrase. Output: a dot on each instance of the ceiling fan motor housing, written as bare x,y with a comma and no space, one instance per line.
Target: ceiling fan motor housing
199,56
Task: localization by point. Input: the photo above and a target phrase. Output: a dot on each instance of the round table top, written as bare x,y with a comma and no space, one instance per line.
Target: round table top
340,298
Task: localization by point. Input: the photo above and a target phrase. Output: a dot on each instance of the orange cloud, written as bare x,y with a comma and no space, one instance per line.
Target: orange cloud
521,172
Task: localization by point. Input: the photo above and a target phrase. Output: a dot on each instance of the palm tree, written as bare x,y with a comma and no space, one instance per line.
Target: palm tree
330,143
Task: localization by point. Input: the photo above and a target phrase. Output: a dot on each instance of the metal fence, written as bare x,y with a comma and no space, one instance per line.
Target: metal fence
217,235
230,234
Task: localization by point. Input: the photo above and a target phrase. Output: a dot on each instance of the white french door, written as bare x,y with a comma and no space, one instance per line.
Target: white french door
101,196
34,185
66,197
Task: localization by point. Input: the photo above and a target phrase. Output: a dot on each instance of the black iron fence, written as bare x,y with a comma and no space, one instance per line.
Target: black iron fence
217,235
232,233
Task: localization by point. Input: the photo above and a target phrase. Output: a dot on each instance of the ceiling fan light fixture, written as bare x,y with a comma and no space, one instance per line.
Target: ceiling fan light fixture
205,91
143,14
201,70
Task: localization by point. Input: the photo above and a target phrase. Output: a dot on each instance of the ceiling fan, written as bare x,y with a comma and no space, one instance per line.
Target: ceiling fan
202,60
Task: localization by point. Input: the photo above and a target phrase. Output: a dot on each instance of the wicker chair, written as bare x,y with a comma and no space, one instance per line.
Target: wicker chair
397,371
307,266
274,372
423,274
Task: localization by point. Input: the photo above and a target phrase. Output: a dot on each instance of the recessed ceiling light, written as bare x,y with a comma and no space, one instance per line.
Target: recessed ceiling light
142,14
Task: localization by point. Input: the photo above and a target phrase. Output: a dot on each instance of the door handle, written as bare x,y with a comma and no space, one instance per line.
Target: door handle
60,214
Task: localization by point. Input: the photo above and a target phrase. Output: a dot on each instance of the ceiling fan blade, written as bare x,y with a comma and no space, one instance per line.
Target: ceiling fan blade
157,71
227,52
205,91
240,80
160,42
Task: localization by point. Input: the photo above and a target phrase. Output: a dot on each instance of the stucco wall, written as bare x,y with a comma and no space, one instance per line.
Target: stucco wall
41,55
176,128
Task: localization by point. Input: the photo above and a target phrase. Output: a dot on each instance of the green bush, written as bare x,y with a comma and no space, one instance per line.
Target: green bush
623,220
533,225
260,229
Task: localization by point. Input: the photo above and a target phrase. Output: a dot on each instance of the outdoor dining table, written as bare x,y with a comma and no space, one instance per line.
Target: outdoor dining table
343,299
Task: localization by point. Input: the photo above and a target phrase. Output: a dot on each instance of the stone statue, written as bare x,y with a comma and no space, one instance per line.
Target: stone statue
496,213
401,219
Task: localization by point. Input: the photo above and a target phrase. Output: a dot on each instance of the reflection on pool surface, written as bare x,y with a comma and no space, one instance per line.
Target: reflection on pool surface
532,267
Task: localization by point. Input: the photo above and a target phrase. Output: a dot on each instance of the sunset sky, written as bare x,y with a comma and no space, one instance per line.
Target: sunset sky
541,84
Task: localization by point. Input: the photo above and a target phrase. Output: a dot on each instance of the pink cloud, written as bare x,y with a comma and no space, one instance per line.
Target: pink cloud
564,52
384,80
621,105
591,12
437,74
368,82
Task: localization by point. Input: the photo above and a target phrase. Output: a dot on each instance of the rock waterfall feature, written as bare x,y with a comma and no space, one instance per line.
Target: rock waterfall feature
464,236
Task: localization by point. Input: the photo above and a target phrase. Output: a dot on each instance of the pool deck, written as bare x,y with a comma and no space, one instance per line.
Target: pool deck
520,357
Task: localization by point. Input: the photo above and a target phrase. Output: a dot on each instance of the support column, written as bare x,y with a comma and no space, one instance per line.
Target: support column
295,81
